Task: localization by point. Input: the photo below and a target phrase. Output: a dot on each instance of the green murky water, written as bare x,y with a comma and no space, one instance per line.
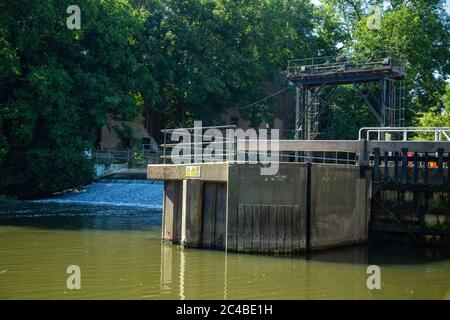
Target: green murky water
121,257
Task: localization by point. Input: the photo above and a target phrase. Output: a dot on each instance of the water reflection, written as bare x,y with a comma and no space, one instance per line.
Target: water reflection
173,266
201,274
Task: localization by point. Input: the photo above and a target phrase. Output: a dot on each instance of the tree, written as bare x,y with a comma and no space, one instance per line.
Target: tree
59,84
438,116
417,32
414,31
210,55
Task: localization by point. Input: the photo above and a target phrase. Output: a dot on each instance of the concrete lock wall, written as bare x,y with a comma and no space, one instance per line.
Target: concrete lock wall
340,206
267,213
302,207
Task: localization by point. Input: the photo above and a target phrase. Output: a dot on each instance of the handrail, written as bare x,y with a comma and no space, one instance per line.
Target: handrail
200,128
165,145
319,65
380,131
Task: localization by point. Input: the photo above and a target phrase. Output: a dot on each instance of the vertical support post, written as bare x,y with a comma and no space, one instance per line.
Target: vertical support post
396,167
235,149
386,167
448,171
297,119
416,168
440,170
383,103
376,168
308,206
191,218
363,157
164,147
169,230
404,173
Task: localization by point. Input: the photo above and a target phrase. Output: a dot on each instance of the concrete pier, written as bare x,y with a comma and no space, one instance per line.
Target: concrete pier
230,206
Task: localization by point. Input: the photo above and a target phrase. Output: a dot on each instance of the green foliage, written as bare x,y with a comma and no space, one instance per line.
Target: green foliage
419,33
439,116
347,115
59,84
210,55
414,31
136,159
437,227
437,205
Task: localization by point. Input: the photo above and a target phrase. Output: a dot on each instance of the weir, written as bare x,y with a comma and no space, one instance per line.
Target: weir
313,202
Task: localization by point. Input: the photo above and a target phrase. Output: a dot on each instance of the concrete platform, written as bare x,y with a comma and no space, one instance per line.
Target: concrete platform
230,206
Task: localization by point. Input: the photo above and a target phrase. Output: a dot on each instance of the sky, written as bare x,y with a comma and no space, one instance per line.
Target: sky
447,4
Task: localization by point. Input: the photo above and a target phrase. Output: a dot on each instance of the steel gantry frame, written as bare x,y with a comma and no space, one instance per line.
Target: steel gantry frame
380,83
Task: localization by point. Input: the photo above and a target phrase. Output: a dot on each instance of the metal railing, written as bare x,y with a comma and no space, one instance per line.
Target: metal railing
403,133
138,156
195,146
349,152
231,149
327,64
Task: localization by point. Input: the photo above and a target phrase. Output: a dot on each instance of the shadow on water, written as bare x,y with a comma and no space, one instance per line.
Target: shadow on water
382,253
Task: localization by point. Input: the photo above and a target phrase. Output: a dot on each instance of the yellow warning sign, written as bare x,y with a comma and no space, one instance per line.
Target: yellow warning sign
193,171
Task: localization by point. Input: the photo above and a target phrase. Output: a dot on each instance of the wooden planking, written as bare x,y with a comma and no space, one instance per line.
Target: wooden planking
209,213
221,207
240,228
192,213
178,211
288,229
298,230
248,228
256,230
280,228
272,228
265,230
169,210
232,208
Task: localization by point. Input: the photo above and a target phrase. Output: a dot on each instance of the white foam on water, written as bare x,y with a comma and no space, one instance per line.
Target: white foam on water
127,193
